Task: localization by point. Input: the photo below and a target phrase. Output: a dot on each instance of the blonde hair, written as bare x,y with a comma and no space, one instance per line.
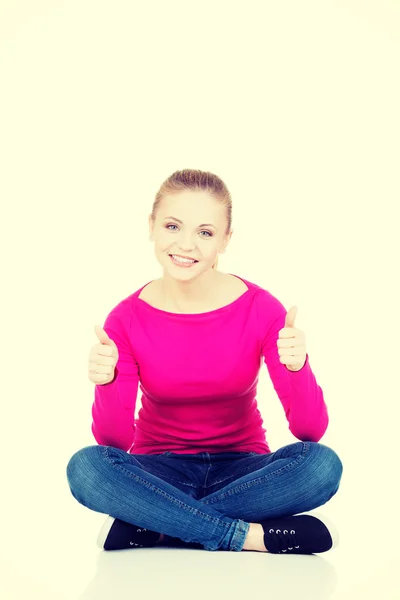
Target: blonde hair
196,180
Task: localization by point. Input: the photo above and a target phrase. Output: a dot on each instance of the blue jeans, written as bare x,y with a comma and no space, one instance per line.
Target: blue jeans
204,500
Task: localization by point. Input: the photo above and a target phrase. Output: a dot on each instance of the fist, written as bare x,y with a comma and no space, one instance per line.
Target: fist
102,358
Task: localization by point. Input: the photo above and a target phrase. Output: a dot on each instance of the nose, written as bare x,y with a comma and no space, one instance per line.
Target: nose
187,246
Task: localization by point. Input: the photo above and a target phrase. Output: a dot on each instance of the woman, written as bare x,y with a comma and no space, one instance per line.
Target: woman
195,469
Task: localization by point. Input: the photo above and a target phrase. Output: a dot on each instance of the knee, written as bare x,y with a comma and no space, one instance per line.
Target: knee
80,467
329,467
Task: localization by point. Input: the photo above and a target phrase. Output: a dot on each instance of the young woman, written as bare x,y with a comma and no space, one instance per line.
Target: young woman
195,469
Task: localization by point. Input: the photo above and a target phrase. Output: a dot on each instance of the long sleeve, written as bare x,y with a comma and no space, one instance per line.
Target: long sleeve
198,374
114,404
301,396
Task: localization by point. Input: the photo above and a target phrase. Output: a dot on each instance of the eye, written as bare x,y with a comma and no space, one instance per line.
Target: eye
203,230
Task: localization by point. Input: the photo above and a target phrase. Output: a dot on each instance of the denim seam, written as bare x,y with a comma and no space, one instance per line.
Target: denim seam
166,495
249,469
244,486
236,536
153,471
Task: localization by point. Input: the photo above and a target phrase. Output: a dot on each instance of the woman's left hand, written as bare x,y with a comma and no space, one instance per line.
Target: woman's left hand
292,343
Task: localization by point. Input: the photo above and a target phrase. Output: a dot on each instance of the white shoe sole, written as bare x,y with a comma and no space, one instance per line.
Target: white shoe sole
104,531
330,525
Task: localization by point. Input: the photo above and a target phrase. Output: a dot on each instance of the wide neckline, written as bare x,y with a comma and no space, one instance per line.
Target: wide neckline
210,312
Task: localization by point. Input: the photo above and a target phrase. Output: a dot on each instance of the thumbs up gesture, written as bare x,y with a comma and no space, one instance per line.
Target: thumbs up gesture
102,358
292,343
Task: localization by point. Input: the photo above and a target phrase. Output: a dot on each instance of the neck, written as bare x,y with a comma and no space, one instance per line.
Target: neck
192,292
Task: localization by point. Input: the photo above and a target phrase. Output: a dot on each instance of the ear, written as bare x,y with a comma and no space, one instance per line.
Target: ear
225,244
150,227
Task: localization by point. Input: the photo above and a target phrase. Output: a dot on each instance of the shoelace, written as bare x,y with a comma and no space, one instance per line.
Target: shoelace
150,538
283,539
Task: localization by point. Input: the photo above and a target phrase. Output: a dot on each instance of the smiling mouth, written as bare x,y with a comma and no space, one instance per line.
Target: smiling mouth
185,259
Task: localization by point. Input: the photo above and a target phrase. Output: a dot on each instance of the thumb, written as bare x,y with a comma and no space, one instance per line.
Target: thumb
103,336
290,317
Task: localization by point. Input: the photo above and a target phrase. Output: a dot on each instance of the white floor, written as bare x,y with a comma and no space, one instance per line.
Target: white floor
84,94
55,557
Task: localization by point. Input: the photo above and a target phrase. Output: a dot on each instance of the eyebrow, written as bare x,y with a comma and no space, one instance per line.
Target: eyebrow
202,225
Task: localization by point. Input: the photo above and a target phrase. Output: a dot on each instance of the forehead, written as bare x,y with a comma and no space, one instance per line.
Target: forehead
191,206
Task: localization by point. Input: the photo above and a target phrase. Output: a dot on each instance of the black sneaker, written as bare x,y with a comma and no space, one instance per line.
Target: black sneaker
300,534
119,535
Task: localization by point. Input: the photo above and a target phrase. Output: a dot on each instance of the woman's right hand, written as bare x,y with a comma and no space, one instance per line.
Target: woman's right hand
102,358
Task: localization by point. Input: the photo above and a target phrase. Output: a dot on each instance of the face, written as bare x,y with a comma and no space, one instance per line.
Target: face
199,235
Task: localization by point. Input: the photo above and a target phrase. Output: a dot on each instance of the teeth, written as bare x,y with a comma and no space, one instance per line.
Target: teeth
182,259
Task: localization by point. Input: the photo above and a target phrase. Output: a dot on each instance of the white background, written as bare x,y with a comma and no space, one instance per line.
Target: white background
295,105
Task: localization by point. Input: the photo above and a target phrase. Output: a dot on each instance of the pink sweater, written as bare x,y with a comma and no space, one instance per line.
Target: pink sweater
198,376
